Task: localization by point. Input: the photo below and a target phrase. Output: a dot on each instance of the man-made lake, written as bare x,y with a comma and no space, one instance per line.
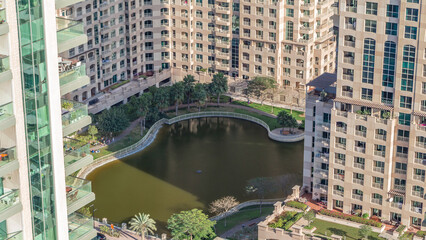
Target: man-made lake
192,163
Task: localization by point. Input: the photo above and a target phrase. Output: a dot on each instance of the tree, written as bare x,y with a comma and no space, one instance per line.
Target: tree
113,120
188,83
144,102
219,85
261,87
160,98
200,95
93,130
223,205
286,120
177,94
193,224
365,231
260,186
309,216
142,223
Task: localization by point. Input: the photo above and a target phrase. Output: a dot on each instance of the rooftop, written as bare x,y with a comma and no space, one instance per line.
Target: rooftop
326,82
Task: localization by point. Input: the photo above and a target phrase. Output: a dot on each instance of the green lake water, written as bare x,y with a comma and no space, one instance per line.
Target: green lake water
163,178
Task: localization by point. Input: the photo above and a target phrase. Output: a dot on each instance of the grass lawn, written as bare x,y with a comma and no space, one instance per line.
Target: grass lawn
268,109
133,137
244,215
328,228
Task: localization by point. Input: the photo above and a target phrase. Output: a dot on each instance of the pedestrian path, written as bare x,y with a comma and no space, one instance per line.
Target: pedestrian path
241,226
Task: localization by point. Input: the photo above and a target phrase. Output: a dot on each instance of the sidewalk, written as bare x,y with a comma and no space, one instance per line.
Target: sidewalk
266,102
239,227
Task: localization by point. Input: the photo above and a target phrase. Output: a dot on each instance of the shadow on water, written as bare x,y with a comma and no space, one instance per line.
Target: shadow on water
163,179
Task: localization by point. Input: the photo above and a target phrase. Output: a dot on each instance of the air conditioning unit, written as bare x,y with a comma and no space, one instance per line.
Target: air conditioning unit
390,199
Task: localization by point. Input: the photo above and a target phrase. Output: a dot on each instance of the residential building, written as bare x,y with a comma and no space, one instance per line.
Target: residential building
39,199
289,40
377,146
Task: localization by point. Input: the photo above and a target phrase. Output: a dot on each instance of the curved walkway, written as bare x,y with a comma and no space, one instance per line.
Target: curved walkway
152,133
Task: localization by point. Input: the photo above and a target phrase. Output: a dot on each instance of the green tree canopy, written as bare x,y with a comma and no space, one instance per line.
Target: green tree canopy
189,84
219,85
113,120
365,231
177,94
200,94
286,120
261,87
93,130
142,223
192,224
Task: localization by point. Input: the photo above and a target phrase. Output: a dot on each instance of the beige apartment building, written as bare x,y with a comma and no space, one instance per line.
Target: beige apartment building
376,159
289,40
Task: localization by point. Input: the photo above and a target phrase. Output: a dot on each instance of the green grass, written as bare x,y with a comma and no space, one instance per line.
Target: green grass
268,109
240,217
328,228
133,137
119,84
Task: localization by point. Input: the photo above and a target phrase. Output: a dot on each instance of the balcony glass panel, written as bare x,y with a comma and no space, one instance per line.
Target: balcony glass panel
6,111
77,188
75,150
72,112
7,155
4,63
79,225
68,29
9,199
72,74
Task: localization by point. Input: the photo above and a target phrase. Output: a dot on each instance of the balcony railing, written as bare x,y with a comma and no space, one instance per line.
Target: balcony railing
75,150
73,74
73,114
7,155
338,193
6,111
358,181
349,60
396,205
399,187
401,171
79,225
339,177
379,153
417,209
359,165
357,197
403,139
377,201
4,63
13,236
342,113
379,169
359,149
68,29
377,185
77,188
419,177
9,199
418,194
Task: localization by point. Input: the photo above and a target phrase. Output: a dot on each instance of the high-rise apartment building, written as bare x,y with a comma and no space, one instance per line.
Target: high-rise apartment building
39,199
289,40
375,161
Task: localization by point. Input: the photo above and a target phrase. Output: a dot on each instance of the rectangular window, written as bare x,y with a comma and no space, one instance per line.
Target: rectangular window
391,28
367,94
392,11
413,1
410,32
371,8
370,26
411,14
290,12
404,119
387,97
405,102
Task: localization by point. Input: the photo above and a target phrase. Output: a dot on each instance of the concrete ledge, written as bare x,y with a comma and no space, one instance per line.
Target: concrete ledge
6,76
74,127
9,167
10,211
4,28
7,122
78,165
73,85
81,203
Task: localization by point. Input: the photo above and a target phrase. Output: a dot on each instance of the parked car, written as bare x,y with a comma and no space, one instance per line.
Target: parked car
101,236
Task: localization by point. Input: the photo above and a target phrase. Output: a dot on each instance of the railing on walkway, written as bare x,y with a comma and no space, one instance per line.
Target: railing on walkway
152,132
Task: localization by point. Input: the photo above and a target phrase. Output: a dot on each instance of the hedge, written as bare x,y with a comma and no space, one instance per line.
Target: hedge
400,228
297,205
421,234
287,220
350,218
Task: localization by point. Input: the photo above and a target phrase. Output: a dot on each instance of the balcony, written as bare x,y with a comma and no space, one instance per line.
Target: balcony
74,116
7,119
396,205
416,209
8,161
73,78
9,204
359,149
379,169
358,181
338,193
357,197
377,201
76,155
79,193
80,227
64,3
359,165
5,73
342,114
419,177
348,77
4,27
377,185
70,34
379,153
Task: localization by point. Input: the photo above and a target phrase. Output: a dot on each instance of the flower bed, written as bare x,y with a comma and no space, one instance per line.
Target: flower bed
421,234
286,220
400,229
297,205
350,218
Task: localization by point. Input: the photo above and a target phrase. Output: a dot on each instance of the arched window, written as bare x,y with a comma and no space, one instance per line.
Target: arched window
199,14
164,22
147,12
149,35
368,63
164,33
381,134
199,25
360,130
408,60
389,64
148,24
418,191
289,31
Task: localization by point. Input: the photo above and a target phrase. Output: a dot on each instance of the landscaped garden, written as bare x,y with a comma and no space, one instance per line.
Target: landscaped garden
286,220
268,109
327,229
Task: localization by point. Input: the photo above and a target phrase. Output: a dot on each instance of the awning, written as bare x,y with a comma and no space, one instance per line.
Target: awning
363,103
396,192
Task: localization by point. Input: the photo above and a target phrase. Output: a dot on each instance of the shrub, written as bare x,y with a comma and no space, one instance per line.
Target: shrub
365,215
400,228
286,220
350,218
297,205
421,234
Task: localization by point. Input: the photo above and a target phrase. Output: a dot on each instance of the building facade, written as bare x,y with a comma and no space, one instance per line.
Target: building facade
289,40
376,162
39,199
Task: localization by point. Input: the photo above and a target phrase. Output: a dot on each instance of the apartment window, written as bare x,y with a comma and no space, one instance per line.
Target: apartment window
290,12
403,135
387,97
404,119
411,14
389,64
401,152
326,117
368,64
392,11
391,28
410,32
370,26
289,31
413,1
405,102
371,8
408,60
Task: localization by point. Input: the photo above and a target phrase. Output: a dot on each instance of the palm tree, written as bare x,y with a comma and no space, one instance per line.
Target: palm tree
142,223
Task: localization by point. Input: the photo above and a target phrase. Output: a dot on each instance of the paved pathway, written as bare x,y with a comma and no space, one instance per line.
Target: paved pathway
124,234
239,227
